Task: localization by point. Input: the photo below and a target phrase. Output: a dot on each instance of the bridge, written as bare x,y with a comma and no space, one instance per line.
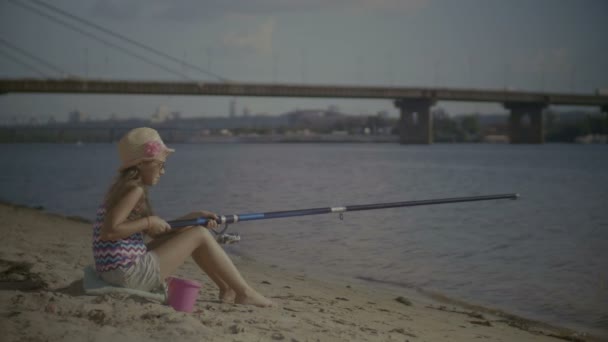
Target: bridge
416,124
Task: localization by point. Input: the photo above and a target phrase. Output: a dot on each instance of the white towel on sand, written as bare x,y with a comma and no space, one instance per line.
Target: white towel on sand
94,285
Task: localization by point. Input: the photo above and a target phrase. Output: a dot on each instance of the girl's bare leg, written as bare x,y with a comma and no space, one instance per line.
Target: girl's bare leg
226,294
177,249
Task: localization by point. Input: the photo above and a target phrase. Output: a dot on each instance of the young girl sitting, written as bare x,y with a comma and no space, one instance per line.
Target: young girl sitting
121,256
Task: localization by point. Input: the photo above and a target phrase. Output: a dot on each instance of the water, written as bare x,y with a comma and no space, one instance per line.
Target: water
544,256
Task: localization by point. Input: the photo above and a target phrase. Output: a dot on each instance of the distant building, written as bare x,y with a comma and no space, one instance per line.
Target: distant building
160,115
383,114
232,112
175,116
316,119
77,116
333,109
601,91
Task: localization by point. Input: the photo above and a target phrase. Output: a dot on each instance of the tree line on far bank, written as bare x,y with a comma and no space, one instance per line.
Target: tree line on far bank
469,128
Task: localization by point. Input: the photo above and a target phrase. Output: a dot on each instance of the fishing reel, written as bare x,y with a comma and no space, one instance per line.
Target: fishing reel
224,238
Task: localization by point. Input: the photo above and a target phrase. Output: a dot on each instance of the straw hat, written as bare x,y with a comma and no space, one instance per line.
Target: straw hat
141,144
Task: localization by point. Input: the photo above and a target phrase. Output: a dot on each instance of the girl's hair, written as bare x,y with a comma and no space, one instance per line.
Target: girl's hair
126,180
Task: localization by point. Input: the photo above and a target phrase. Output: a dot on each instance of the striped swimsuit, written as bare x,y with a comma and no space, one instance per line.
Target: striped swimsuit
110,255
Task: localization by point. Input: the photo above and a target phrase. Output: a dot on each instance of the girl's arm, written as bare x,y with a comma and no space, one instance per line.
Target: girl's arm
116,226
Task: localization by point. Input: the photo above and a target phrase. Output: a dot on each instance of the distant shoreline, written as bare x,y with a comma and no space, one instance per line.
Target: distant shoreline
278,139
287,139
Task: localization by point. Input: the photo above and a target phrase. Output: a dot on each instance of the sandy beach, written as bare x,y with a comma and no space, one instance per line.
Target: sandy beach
42,257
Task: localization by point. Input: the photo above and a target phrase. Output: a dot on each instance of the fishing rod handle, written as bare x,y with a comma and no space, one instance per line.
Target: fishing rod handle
201,221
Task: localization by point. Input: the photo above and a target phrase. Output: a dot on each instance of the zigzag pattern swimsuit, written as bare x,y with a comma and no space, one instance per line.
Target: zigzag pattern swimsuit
123,253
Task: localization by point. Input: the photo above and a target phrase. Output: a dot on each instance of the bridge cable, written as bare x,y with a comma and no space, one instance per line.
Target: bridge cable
37,59
22,63
127,39
90,35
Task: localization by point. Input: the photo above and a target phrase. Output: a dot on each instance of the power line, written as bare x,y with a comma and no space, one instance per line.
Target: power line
38,59
90,35
127,39
22,63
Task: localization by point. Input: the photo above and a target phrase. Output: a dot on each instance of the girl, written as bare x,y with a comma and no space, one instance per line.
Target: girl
122,258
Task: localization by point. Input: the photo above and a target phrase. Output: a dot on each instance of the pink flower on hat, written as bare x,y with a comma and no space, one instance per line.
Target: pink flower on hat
152,149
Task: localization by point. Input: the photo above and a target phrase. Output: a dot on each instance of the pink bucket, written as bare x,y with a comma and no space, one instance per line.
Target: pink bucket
183,293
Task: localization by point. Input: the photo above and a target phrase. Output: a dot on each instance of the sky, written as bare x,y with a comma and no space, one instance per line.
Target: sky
539,45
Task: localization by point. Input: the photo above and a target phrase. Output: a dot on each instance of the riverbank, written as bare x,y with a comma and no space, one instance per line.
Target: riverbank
41,298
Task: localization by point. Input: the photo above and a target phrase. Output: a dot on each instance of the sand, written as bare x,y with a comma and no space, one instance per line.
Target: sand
42,257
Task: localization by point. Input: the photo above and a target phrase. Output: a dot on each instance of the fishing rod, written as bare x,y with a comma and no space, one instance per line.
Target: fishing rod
229,219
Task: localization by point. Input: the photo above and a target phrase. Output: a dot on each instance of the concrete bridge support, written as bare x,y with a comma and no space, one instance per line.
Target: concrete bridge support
604,109
526,124
416,124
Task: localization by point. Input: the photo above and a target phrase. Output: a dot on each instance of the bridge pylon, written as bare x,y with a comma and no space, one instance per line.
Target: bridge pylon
604,109
526,122
416,123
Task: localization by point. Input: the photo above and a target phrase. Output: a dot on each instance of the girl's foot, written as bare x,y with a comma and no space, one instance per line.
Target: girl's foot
227,296
251,297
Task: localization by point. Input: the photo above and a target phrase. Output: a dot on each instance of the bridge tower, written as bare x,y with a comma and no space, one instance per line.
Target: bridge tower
416,123
526,122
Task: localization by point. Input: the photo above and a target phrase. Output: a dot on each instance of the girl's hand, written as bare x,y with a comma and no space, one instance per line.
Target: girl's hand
211,224
157,227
